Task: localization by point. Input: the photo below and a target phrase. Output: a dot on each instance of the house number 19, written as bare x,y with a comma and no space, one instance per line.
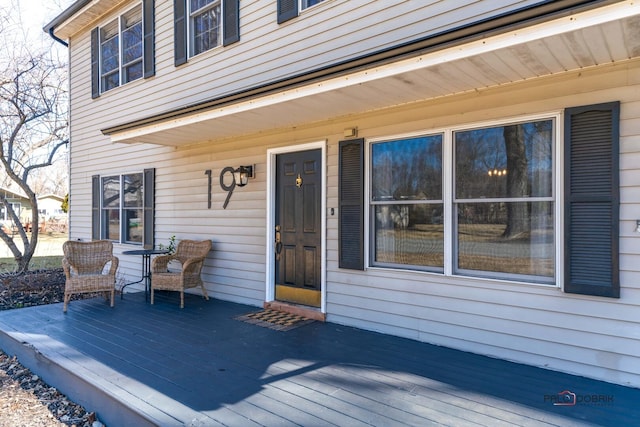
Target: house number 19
228,188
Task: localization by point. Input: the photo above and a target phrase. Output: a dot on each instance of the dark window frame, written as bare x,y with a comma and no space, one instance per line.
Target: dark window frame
147,209
230,21
595,135
148,49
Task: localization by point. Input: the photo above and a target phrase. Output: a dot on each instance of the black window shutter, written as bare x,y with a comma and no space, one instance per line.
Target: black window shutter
287,9
592,200
149,57
148,187
179,32
95,64
231,24
95,207
351,204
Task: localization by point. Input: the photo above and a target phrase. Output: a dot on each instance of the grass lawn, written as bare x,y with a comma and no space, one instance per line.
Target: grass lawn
8,265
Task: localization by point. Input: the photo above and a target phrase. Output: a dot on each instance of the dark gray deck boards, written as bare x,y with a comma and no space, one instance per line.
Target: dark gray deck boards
139,364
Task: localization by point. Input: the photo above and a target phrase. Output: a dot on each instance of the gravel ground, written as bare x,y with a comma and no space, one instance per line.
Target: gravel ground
25,400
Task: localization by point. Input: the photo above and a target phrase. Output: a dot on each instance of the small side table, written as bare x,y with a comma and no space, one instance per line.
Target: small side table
146,268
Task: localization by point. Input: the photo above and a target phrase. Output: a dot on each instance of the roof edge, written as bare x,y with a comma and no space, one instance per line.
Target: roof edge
540,12
65,15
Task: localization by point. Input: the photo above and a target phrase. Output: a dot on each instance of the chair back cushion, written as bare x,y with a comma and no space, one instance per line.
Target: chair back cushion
88,257
188,249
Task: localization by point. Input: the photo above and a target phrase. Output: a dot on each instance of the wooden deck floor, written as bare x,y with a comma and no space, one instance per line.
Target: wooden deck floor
138,364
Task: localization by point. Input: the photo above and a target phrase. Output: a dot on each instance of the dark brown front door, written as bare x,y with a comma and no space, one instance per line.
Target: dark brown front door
298,222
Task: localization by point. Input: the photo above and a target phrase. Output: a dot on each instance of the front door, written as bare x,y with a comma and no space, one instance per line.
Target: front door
298,238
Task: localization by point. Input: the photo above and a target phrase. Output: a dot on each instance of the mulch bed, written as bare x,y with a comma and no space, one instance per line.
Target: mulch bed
26,290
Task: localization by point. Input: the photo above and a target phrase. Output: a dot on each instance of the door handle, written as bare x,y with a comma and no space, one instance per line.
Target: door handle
278,243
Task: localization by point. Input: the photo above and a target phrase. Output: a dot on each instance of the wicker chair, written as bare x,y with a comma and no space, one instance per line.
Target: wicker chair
84,267
191,255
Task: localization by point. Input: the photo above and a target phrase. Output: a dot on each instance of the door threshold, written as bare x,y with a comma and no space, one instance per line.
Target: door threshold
300,310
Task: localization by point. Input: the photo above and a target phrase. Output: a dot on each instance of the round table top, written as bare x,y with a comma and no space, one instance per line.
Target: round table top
145,252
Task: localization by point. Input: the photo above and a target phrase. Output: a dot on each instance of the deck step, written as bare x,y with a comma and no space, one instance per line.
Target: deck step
308,312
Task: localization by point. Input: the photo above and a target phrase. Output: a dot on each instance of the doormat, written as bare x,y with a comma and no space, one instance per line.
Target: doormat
276,320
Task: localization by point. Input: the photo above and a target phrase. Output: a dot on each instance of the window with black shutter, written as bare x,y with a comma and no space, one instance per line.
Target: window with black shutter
287,9
149,208
123,208
592,199
351,204
179,32
199,27
149,44
95,207
123,50
231,24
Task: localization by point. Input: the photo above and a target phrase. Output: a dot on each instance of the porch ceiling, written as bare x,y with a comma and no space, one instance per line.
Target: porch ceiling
600,36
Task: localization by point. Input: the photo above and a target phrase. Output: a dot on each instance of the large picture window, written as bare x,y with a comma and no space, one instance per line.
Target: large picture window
406,202
500,209
123,208
504,204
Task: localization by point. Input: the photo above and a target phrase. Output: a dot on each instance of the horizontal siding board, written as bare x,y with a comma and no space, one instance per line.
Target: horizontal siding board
190,83
526,320
508,320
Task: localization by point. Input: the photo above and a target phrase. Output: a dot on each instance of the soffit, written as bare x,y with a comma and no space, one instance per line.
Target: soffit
602,36
80,15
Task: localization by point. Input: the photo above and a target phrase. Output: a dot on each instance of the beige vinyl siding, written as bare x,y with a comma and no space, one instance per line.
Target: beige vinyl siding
539,325
319,37
542,325
535,324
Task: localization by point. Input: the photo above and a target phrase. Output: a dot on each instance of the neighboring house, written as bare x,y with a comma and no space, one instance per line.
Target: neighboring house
461,173
52,216
49,210
20,204
50,206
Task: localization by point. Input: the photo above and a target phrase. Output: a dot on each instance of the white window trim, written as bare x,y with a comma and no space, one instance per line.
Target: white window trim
121,208
190,31
121,65
448,199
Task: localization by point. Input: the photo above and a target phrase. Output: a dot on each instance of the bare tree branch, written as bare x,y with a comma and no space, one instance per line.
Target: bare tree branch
33,129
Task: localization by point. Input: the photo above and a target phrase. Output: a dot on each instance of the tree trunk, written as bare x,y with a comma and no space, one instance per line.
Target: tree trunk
517,182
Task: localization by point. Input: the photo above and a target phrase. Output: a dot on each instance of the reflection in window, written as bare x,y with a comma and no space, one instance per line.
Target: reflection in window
501,209
504,161
122,208
133,207
504,199
111,207
121,50
132,45
406,197
309,3
205,25
482,245
109,56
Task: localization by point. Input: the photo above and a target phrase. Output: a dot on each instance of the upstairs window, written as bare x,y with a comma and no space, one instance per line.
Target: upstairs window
121,50
288,9
308,3
201,25
205,25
